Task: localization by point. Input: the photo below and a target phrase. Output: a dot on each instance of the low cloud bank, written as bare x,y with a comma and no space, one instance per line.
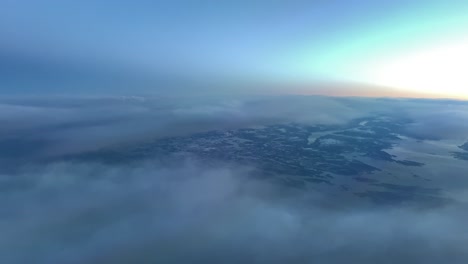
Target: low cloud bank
59,126
189,212
68,125
449,122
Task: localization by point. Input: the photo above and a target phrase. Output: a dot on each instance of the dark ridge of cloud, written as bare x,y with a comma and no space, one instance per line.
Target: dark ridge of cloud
193,213
24,73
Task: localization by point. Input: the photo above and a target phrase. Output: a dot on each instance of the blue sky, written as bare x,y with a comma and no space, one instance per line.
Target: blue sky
86,42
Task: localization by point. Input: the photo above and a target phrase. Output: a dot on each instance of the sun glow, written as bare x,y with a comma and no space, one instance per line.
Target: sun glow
441,71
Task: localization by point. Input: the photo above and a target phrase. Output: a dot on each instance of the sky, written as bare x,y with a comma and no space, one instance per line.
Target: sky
399,48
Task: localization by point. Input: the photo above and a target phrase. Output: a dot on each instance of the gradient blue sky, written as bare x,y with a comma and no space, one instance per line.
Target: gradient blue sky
48,45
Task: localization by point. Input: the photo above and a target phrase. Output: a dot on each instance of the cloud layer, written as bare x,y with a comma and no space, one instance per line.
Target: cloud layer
90,213
188,211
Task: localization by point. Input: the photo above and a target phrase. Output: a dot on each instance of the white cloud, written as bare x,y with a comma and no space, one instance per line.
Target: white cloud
89,213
